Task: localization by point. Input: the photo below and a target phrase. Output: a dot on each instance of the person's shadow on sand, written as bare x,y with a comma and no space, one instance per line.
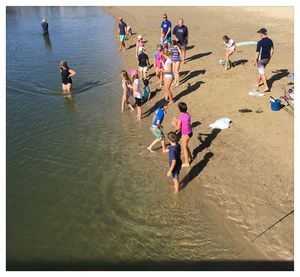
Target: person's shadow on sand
197,56
190,88
191,75
281,73
195,170
206,142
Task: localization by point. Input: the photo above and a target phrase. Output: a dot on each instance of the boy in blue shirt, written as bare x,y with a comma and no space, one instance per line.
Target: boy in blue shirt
174,160
156,128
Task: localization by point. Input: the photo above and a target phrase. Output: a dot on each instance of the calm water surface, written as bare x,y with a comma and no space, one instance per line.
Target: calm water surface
80,185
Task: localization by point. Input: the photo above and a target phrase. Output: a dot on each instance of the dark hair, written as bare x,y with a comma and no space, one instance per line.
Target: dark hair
146,82
172,137
165,15
225,37
182,107
174,42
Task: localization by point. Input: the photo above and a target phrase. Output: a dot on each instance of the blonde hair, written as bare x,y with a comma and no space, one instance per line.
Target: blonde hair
167,52
63,63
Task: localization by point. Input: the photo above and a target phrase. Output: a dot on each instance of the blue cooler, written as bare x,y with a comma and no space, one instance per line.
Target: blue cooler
276,106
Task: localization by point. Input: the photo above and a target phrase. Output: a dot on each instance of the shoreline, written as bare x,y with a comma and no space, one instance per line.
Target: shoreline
240,214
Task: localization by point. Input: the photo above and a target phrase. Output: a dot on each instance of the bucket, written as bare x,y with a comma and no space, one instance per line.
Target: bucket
276,105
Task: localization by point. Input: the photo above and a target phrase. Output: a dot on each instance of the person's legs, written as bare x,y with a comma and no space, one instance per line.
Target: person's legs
186,152
139,112
176,73
124,100
145,73
152,144
163,145
264,79
176,184
69,87
168,93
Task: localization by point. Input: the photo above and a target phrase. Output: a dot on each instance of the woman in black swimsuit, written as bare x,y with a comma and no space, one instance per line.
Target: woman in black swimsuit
66,74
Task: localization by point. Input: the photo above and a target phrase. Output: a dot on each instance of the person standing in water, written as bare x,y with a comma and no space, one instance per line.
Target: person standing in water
45,26
126,90
137,92
66,74
183,123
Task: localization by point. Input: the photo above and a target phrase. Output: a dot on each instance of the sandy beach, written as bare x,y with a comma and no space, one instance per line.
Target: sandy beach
246,171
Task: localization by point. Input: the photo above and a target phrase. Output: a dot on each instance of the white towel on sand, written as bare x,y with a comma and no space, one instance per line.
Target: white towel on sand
222,123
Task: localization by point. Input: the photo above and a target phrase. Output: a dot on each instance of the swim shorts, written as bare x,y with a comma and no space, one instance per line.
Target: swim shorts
261,66
143,69
138,101
122,38
157,132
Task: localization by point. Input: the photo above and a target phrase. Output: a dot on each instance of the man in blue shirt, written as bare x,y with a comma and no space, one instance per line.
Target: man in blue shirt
122,33
263,55
181,34
156,128
166,26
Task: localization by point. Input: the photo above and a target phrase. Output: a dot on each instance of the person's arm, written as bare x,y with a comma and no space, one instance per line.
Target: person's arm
255,58
168,32
234,47
169,173
187,36
271,51
178,125
179,50
72,73
148,61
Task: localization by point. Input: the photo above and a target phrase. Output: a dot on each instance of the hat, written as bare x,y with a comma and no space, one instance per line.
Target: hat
140,36
262,31
133,72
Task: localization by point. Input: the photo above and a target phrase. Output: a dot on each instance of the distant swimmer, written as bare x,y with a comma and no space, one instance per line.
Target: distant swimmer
45,26
66,74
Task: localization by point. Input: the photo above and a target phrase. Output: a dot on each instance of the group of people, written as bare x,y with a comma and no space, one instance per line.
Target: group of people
167,58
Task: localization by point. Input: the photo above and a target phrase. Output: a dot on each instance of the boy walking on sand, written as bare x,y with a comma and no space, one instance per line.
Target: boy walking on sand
174,159
156,128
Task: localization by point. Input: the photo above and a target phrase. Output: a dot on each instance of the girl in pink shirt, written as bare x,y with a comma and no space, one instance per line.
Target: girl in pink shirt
183,123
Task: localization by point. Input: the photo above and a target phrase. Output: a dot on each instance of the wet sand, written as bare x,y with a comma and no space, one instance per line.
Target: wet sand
246,171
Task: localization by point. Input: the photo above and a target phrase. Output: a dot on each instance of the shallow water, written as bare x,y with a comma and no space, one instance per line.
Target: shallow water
80,184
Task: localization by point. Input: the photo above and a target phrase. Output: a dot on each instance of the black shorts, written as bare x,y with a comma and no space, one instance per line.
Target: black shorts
182,46
138,101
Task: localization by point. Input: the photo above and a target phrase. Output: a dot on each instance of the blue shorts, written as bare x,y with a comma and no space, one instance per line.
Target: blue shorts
169,39
122,38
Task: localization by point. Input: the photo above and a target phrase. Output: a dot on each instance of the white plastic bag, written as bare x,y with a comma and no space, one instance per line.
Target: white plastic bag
222,123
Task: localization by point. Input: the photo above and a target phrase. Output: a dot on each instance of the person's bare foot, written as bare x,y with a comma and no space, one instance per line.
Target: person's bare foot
185,165
166,151
177,85
257,85
171,102
266,90
150,149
